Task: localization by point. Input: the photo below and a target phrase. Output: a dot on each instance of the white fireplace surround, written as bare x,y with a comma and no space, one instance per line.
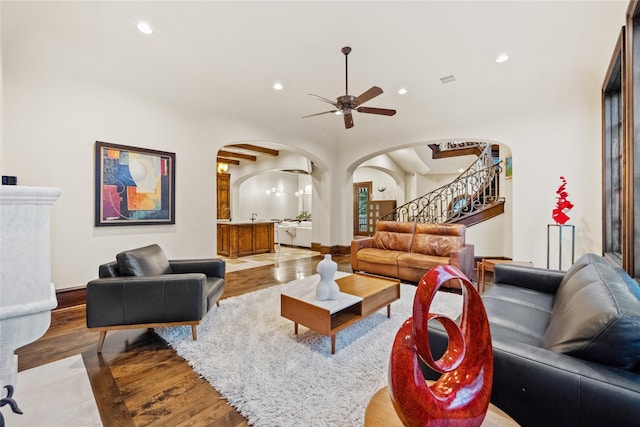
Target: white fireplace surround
27,295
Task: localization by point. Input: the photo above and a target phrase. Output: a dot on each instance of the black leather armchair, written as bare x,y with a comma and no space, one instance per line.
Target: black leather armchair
143,289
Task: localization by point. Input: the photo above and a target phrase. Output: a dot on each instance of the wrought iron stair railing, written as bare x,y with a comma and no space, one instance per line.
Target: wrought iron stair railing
474,190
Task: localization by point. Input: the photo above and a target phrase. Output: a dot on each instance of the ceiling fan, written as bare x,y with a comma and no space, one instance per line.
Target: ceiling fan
346,103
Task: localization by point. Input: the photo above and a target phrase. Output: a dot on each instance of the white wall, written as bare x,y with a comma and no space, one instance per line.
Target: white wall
253,197
250,181
305,193
50,142
378,180
430,182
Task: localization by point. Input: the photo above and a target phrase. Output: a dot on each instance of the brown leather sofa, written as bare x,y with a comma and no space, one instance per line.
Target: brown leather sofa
407,250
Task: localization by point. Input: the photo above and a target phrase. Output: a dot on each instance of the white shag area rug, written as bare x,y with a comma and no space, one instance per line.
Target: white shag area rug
250,354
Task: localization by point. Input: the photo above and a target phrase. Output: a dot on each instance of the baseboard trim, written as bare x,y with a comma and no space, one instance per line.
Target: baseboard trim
333,250
71,297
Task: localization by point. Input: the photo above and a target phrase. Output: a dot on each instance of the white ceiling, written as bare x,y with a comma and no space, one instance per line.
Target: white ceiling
222,58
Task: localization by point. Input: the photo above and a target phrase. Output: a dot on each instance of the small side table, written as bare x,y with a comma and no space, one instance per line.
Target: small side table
487,264
380,413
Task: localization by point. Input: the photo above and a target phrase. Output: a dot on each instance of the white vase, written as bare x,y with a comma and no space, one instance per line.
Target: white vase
327,287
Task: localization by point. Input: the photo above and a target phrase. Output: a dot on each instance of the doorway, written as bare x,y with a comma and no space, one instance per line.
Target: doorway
361,197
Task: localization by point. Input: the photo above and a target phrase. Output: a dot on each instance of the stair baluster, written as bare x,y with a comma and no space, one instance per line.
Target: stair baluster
474,190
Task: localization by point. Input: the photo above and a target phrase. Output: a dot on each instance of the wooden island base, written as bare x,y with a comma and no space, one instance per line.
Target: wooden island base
236,239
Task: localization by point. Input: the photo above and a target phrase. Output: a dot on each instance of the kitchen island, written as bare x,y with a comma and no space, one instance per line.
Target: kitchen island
242,238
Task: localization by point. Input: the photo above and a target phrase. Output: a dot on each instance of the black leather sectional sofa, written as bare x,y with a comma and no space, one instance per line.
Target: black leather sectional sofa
566,345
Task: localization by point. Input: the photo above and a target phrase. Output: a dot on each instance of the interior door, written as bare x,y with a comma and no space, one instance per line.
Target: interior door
361,197
223,181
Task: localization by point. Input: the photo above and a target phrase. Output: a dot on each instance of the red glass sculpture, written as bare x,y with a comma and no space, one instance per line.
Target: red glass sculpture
563,205
461,395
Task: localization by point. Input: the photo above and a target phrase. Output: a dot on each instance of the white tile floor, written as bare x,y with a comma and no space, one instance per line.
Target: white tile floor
54,395
282,253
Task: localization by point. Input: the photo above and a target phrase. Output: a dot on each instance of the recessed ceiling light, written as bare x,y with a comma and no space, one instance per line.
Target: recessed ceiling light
402,90
277,86
145,28
502,58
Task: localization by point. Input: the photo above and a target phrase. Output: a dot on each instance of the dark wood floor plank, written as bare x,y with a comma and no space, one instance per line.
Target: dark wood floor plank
186,396
132,369
111,405
55,347
142,394
139,380
66,319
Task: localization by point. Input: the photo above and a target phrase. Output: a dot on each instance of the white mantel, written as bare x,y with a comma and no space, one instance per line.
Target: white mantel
26,292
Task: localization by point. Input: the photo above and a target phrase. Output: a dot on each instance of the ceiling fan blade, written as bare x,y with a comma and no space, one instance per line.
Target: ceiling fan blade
381,111
348,120
369,94
318,114
323,99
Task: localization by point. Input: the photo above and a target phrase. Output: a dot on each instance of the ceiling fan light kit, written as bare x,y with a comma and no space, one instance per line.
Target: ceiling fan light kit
345,104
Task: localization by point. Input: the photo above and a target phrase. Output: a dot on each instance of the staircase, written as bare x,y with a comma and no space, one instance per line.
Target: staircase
471,198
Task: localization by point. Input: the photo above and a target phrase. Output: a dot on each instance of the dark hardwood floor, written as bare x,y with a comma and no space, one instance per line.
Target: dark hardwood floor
139,380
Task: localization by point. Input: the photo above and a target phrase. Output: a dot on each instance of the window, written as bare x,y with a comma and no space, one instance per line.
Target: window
613,139
620,147
633,133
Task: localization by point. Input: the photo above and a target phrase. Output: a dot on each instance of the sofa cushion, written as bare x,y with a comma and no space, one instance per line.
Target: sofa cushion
419,260
378,261
437,239
395,236
585,275
379,256
109,269
596,317
517,314
147,261
582,262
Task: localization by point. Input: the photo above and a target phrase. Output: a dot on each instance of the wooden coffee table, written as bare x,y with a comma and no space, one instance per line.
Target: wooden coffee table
360,296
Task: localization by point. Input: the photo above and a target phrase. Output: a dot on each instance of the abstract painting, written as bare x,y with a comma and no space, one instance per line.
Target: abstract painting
134,186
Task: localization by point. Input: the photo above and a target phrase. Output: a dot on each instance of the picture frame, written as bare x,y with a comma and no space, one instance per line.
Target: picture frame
508,168
133,186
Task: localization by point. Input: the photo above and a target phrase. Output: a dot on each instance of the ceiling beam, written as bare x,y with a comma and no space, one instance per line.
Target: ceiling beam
453,152
257,149
229,161
224,153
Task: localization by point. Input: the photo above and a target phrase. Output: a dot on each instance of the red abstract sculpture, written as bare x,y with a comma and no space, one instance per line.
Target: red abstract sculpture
461,395
563,205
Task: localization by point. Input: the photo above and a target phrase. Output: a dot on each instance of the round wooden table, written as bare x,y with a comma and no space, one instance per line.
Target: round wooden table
381,413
